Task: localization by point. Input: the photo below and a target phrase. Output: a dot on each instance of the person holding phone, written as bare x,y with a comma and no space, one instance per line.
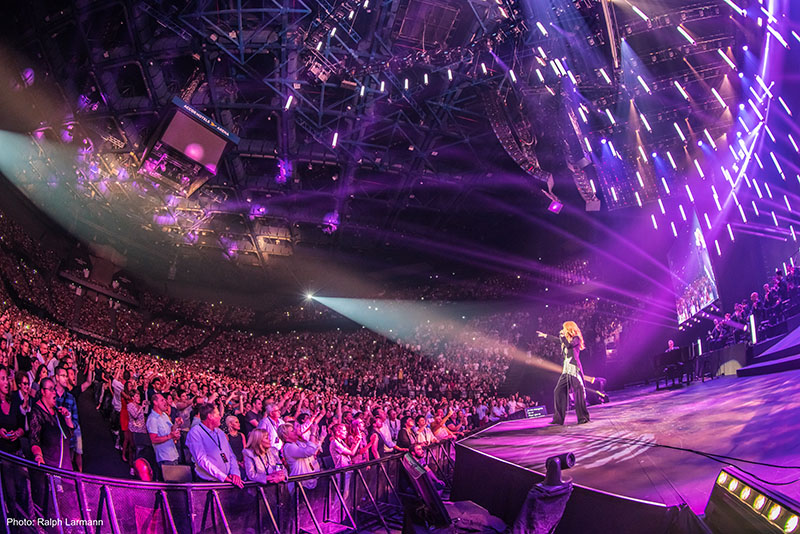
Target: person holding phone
50,429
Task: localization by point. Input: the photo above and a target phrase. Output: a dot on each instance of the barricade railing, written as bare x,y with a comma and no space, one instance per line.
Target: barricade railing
364,496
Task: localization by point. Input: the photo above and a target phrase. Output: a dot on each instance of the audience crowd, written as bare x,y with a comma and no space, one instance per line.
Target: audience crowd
276,402
339,403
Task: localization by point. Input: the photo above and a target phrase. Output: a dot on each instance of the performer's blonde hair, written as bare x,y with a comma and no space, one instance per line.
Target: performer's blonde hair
571,329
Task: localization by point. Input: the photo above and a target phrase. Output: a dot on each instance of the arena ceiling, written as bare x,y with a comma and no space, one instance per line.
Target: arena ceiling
369,130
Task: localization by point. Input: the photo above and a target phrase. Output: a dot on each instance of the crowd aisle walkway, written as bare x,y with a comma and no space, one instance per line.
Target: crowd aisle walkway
99,455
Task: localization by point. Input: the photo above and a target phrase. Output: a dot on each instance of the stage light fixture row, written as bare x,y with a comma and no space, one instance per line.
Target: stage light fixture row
759,506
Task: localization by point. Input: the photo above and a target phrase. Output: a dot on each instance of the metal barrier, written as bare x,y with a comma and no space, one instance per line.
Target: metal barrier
364,496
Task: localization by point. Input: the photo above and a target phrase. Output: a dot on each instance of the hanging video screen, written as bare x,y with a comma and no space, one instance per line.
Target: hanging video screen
195,141
692,275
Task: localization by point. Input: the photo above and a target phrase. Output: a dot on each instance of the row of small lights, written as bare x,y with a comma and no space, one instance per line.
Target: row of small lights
779,516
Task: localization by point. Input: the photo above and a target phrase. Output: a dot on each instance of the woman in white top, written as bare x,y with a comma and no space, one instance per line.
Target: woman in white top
341,453
261,461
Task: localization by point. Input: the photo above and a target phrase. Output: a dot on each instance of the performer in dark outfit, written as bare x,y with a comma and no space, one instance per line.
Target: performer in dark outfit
571,375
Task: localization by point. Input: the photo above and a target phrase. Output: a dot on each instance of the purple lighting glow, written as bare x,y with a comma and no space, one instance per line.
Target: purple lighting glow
28,77
331,222
195,151
284,169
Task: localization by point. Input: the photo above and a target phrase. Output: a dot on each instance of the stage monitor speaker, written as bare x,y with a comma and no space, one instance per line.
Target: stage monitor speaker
181,474
437,514
739,503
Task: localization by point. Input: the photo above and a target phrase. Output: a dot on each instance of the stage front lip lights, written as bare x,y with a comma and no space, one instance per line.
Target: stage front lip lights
739,498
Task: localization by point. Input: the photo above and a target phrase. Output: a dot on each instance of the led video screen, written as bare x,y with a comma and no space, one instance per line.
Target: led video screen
692,274
195,141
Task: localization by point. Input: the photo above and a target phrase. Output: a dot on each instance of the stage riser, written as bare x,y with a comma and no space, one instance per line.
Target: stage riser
779,355
501,488
764,346
782,355
777,366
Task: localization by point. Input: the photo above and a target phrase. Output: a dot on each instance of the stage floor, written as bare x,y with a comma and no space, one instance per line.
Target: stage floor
756,418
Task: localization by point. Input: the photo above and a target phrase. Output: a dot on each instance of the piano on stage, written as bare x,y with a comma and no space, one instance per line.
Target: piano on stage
675,366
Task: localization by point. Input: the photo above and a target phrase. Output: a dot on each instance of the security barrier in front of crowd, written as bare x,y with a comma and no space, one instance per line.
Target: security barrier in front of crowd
366,496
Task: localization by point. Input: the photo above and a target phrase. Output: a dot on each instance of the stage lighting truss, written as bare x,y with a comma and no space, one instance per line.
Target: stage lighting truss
663,56
405,90
663,53
697,12
740,502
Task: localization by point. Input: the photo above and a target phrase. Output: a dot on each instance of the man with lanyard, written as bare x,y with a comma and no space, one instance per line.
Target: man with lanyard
213,458
271,422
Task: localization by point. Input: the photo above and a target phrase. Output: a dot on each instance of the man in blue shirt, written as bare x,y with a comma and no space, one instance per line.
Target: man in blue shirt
213,458
163,434
67,400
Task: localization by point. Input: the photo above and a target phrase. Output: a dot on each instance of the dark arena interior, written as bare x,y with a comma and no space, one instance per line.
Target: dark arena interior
399,266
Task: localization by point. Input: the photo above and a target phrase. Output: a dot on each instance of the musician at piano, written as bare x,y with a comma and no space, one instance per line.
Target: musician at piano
572,377
671,346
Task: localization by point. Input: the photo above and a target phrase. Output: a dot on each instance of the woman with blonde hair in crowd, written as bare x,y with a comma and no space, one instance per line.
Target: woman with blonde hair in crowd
571,374
262,462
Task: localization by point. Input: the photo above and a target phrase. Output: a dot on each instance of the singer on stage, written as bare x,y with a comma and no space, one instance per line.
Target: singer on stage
571,375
